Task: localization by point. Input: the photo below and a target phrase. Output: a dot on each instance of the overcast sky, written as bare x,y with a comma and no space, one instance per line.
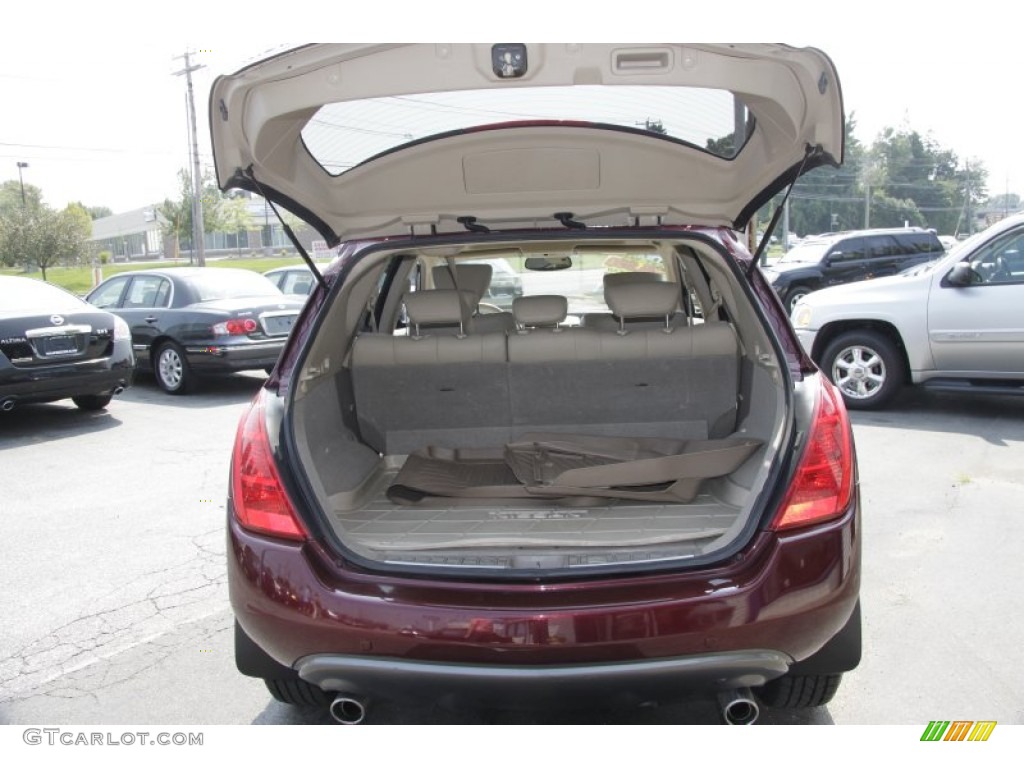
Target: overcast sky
89,101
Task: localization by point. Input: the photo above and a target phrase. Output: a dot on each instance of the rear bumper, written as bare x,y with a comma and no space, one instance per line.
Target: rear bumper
220,358
41,384
504,685
740,624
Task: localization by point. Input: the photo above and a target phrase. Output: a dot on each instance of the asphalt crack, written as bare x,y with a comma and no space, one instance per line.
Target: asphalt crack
140,611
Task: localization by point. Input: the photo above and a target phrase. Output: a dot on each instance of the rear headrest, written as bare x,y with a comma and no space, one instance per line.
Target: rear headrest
621,278
539,310
434,307
473,279
644,299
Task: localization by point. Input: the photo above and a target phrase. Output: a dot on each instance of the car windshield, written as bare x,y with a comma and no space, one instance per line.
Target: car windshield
805,253
24,295
231,284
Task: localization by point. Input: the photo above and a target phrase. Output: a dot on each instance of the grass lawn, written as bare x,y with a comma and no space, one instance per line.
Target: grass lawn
78,280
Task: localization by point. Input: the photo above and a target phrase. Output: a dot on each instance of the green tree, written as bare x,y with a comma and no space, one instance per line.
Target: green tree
828,198
901,178
42,237
177,213
79,225
95,211
10,197
234,216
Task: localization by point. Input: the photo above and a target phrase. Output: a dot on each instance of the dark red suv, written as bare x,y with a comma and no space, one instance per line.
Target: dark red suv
630,484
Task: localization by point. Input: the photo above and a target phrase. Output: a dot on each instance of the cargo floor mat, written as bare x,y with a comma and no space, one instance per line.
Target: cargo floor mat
571,469
379,526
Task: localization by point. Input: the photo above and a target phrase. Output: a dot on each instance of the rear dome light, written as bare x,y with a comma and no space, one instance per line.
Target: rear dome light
823,484
260,502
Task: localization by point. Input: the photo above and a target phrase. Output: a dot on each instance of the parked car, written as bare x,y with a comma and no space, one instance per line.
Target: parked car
55,346
848,257
190,321
296,280
426,501
953,324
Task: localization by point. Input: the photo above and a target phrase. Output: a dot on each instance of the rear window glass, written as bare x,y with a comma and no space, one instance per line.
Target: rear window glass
26,295
341,136
229,284
582,284
922,243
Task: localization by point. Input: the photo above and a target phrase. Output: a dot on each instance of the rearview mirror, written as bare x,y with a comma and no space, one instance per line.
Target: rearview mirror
547,263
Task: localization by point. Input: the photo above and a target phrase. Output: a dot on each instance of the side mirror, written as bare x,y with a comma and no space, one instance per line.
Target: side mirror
962,275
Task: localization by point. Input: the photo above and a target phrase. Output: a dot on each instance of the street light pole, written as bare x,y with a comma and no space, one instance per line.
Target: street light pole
21,181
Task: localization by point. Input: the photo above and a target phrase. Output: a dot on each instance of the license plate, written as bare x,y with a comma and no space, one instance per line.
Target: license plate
57,346
278,325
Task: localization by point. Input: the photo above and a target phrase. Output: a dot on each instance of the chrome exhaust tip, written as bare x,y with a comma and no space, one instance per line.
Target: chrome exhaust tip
118,389
739,707
347,710
8,405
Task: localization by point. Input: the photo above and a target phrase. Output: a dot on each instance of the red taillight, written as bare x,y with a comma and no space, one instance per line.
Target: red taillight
235,327
823,483
260,502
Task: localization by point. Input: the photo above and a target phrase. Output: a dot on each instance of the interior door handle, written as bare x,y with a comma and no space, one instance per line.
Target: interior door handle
151,319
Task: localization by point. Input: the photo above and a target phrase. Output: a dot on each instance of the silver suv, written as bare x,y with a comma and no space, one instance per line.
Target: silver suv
952,324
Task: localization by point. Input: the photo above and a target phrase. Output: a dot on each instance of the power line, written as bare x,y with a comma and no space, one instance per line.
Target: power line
120,150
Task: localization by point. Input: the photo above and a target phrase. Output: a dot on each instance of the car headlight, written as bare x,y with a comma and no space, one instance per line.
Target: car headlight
121,330
802,316
771,277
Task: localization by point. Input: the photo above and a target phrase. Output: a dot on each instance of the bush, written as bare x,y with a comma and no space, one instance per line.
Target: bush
105,257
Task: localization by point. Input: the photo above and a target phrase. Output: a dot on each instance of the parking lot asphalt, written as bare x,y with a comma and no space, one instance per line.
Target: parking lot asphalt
117,603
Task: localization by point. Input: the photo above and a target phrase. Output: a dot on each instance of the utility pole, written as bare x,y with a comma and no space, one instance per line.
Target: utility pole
785,226
198,227
967,202
867,205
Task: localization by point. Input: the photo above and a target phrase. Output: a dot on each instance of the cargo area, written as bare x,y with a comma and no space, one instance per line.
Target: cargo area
607,402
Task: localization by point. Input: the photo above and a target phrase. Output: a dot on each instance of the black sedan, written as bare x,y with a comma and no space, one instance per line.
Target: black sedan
53,346
189,321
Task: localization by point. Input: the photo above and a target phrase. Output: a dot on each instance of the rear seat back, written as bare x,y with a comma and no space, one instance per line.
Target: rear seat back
680,381
430,388
483,389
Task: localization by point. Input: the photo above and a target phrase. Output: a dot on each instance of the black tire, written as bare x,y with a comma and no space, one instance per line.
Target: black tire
92,402
171,368
799,691
793,295
298,693
866,366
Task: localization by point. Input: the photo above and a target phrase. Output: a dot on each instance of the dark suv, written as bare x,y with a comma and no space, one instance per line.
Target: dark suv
630,485
847,257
